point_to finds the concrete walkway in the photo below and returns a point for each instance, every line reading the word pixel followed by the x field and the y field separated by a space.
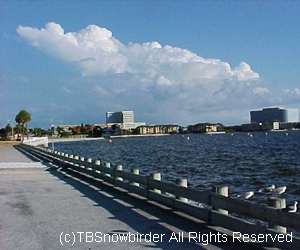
pixel 10 157
pixel 46 208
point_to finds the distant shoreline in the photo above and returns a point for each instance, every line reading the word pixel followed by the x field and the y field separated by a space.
pixel 73 139
pixel 100 138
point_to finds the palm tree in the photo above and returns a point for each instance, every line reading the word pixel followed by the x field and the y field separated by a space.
pixel 22 119
pixel 8 129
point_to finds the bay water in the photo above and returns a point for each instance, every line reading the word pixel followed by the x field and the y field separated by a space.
pixel 242 161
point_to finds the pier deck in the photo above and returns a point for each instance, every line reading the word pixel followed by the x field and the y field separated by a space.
pixel 42 207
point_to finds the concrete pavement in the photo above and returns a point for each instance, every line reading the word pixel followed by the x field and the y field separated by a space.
pixel 46 208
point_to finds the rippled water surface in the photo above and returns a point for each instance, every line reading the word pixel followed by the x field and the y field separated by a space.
pixel 241 161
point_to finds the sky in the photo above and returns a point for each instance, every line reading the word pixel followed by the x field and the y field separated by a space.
pixel 170 61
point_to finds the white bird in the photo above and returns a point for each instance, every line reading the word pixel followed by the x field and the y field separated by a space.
pixel 280 190
pixel 267 189
pixel 247 195
pixel 293 209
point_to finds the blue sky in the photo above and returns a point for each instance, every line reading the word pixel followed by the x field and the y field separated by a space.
pixel 180 62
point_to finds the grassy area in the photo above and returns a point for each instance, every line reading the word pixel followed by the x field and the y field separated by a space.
pixel 9 143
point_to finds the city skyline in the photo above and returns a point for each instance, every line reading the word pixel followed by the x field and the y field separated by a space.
pixel 256 117
pixel 171 62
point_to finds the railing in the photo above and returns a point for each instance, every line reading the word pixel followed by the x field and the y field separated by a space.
pixel 213 206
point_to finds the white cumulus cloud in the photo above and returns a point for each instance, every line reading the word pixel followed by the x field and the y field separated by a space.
pixel 163 79
pixel 98 52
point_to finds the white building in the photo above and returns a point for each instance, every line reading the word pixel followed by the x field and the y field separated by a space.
pixel 293 115
pixel 123 118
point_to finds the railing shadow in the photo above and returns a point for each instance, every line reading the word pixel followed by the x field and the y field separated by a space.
pixel 27 154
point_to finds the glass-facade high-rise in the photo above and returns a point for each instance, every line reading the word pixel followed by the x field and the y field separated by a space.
pixel 274 115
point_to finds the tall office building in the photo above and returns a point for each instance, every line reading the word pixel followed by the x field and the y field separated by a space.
pixel 127 116
pixel 274 115
pixel 123 118
pixel 120 117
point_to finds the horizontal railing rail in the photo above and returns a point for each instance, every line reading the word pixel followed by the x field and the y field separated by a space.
pixel 213 206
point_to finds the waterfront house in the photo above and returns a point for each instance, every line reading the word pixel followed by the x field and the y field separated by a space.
pixel 157 129
pixel 206 127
